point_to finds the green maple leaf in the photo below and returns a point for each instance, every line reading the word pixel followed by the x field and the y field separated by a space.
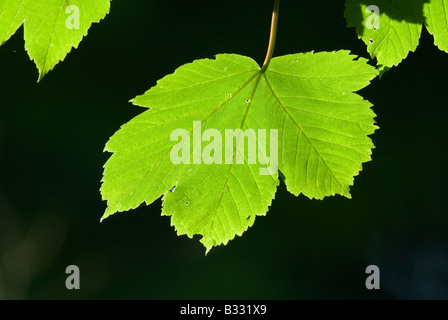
pixel 436 21
pixel 306 99
pixel 400 26
pixel 52 27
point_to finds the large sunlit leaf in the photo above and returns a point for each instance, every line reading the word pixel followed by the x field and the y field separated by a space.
pixel 305 100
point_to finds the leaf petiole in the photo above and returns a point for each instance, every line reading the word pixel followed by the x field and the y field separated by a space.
pixel 272 37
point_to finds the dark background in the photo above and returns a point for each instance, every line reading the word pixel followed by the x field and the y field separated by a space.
pixel 52 136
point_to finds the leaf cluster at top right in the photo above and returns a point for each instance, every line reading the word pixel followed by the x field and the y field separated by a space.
pixel 392 28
